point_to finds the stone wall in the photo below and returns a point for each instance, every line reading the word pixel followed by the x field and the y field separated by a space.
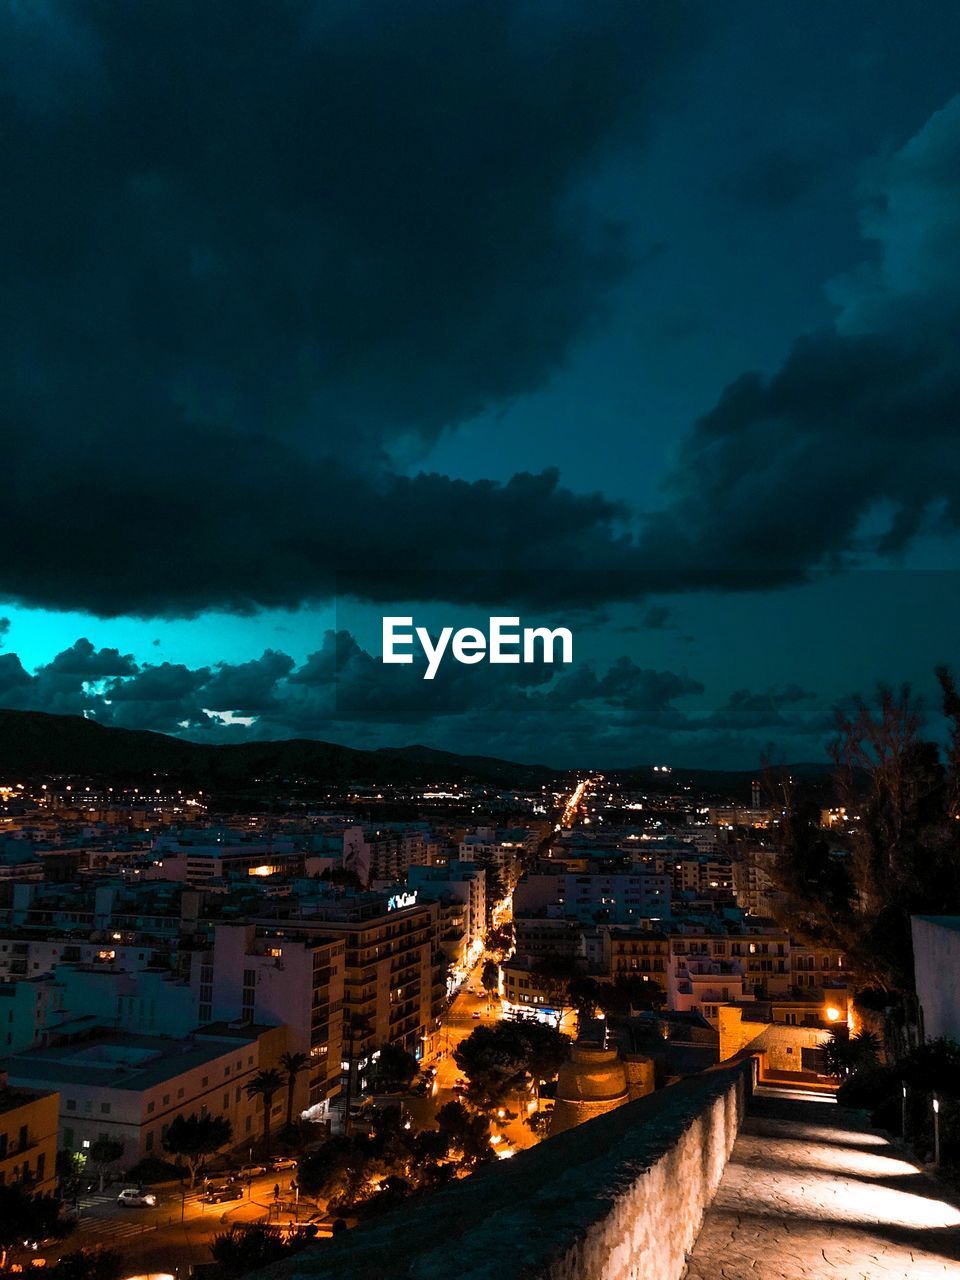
pixel 591 1082
pixel 619 1198
pixel 641 1074
pixel 778 1045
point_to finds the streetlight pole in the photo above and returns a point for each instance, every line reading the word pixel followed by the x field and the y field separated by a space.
pixel 936 1132
pixel 903 1113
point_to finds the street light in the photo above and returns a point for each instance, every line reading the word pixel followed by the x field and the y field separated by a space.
pixel 903 1112
pixel 936 1132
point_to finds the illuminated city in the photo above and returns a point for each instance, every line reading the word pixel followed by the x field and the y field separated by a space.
pixel 479 614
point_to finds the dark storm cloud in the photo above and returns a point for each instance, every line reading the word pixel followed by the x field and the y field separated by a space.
pixel 255 256
pixel 657 617
pixel 624 712
pixel 82 659
pixel 851 446
pixel 787 708
pixel 777 178
pixel 4 629
pixel 167 682
pixel 248 686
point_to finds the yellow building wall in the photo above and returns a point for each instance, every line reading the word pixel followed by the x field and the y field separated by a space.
pixel 34 1161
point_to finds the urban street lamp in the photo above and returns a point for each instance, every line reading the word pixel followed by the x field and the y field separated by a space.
pixel 936 1132
pixel 903 1112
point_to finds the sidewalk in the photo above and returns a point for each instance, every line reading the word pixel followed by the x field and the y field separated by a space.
pixel 811 1195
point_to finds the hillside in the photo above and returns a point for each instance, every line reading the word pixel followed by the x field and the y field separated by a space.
pixel 33 743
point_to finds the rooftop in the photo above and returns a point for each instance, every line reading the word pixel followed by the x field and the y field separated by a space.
pixel 121 1061
pixel 944 922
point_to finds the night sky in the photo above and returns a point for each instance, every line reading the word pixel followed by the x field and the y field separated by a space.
pixel 635 317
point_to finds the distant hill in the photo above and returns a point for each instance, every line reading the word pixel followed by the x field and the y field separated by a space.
pixel 32 743
pixel 723 783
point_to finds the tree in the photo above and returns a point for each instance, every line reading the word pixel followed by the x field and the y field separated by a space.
pixel 846 1054
pixel 194 1137
pixel 337 1170
pixel 265 1085
pixel 490 977
pixel 500 941
pixel 499 1060
pixel 933 1067
pixel 545 1048
pixel 395 1068
pixel 89 1264
pixel 585 995
pixel 48 1212
pixel 23 1216
pixel 244 1248
pixel 627 992
pixel 856 890
pixel 293 1064
pixel 465 1130
pixel 103 1152
pixel 555 973
pixel 356 1026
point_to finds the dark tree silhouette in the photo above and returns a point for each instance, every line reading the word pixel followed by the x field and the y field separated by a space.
pixel 265 1085
pixel 194 1137
pixel 293 1064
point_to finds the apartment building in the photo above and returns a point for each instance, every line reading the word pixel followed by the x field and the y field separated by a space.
pixel 275 976
pixel 394 985
pixel 816 968
pixel 595 897
pixel 643 953
pixel 129 1088
pixel 28 1137
pixel 385 853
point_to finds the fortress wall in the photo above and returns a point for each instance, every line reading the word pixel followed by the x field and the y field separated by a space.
pixel 621 1197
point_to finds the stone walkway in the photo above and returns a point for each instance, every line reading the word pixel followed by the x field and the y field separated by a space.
pixel 808 1195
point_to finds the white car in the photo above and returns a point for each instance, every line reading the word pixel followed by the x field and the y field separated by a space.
pixel 131 1198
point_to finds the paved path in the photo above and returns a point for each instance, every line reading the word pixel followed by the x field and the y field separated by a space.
pixel 808 1195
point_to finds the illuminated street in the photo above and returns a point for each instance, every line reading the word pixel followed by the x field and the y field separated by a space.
pixel 458 1023
pixel 179 1231
pixel 572 805
pixel 808 1195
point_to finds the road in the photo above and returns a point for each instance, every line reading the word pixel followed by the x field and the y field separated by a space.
pixel 572 805
pixel 467 1011
pixel 178 1232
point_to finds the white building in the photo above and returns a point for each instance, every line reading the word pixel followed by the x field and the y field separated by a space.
pixel 129 1088
pixel 936 964
pixel 594 897
pixel 250 976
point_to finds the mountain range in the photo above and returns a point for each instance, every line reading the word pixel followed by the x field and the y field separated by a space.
pixel 34 743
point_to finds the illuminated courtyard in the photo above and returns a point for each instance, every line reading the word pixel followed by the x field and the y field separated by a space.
pixel 807 1196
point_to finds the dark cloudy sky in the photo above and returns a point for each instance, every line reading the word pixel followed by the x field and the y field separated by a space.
pixel 636 316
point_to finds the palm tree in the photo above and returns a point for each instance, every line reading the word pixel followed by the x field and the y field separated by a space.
pixel 265 1085
pixel 357 1026
pixel 293 1064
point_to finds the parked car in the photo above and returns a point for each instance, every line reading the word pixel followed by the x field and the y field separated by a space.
pixel 252 1171
pixel 279 1163
pixel 36 1243
pixel 227 1191
pixel 134 1198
